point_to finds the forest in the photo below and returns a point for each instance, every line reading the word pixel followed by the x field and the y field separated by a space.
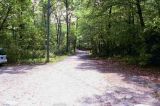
pixel 79 52
pixel 39 29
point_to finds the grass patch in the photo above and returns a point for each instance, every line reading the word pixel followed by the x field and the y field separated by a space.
pixel 53 59
pixel 58 58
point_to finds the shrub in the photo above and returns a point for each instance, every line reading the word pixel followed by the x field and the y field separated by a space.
pixel 151 38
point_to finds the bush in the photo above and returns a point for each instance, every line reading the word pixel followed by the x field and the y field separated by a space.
pixel 152 43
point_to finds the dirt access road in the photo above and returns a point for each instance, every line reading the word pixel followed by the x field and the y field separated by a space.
pixel 76 81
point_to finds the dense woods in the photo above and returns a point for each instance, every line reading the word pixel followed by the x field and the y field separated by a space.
pixel 122 28
pixel 35 29
pixel 31 29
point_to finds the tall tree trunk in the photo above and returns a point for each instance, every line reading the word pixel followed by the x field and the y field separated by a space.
pixel 60 32
pixel 131 14
pixel 139 10
pixel 57 29
pixel 33 51
pixel 67 22
pixel 48 29
pixel 109 29
pixel 110 12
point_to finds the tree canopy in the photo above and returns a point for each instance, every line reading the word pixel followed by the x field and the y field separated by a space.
pixel 121 28
pixel 129 28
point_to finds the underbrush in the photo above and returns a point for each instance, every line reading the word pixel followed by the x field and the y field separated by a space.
pixel 53 59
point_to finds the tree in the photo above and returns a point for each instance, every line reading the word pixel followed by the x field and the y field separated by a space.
pixel 116 28
pixel 67 23
pixel 48 29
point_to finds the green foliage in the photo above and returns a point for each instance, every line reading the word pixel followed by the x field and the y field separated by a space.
pixel 152 41
pixel 127 28
pixel 23 26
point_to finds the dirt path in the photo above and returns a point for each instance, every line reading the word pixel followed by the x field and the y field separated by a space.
pixel 76 81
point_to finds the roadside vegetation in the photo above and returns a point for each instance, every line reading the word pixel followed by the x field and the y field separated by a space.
pixel 128 29
pixel 33 30
pixel 53 59
pixel 23 30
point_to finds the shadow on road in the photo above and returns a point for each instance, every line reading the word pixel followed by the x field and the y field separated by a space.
pixel 92 82
pixel 82 54
pixel 120 97
pixel 129 74
pixel 16 69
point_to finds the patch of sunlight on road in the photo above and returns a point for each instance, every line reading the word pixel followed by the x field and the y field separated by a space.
pixel 67 83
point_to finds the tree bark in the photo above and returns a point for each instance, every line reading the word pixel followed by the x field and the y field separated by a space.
pixel 130 14
pixel 48 30
pixel 139 10
pixel 67 22
pixel 110 12
pixel 57 29
pixel 60 32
